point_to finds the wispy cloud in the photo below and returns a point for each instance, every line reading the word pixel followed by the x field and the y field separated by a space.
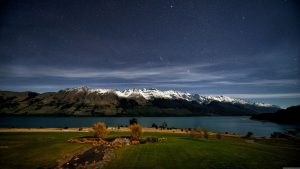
pixel 177 76
pixel 265 95
pixel 167 73
pixel 274 82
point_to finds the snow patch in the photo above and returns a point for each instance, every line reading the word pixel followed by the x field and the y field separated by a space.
pixel 153 93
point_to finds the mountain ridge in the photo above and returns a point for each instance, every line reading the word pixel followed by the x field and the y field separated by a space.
pixel 84 101
pixel 289 115
pixel 167 94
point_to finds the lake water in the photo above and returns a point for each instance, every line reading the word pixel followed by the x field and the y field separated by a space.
pixel 230 124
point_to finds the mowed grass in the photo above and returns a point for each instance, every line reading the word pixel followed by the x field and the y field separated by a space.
pixel 182 151
pixel 33 150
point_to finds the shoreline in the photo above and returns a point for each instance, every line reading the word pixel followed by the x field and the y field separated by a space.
pixel 112 129
pixel 86 129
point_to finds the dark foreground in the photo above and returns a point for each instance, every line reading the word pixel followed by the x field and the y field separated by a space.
pixel 47 150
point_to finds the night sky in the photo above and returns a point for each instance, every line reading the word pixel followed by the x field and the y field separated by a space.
pixel 246 49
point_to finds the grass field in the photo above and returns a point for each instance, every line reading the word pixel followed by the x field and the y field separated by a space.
pixel 33 150
pixel 181 151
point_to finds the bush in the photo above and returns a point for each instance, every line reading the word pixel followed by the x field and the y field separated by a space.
pixel 136 131
pixel 164 125
pixel 218 136
pixel 205 133
pixel 196 133
pixel 154 126
pixel 100 130
pixel 279 135
pixel 249 134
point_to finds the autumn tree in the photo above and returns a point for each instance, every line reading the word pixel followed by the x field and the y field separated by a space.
pixel 136 131
pixel 100 130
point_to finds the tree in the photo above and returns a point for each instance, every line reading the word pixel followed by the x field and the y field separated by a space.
pixel 133 121
pixel 163 125
pixel 136 131
pixel 100 130
pixel 154 125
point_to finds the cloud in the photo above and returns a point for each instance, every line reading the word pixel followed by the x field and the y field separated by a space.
pixel 265 95
pixel 169 73
pixel 274 82
pixel 175 76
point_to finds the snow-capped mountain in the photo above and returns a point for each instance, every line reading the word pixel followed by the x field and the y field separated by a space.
pixel 153 93
pixel 84 101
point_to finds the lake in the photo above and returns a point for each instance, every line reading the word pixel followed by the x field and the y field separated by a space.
pixel 230 124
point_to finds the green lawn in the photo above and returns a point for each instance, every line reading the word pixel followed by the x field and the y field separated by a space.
pixel 33 150
pixel 185 152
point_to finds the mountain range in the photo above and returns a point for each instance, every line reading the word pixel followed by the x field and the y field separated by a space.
pixel 290 115
pixel 84 101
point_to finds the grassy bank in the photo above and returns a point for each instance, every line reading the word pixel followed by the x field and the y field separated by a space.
pixel 33 150
pixel 181 151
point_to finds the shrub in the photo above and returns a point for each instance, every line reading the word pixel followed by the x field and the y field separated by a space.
pixel 205 133
pixel 164 125
pixel 80 129
pixel 196 133
pixel 218 136
pixel 100 130
pixel 154 126
pixel 249 134
pixel 136 131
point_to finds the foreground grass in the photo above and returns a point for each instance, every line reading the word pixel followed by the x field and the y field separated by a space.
pixel 181 151
pixel 33 150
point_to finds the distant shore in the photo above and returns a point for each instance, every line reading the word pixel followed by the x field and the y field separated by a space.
pixel 86 129
pixel 115 129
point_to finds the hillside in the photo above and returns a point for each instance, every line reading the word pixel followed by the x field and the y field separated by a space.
pixel 291 115
pixel 84 101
